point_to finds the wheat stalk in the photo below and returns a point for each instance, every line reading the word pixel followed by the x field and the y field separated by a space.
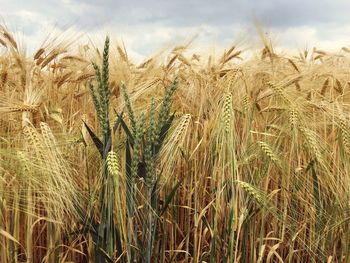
pixel 344 134
pixel 113 164
pixel 269 152
pixel 293 117
pixel 252 191
pixel 38 54
pixel 227 112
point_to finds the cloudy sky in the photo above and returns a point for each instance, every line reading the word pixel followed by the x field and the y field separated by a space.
pixel 146 26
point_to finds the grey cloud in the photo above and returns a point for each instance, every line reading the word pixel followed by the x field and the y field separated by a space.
pixel 60 13
pixel 224 17
pixel 179 13
pixel 297 13
pixel 277 13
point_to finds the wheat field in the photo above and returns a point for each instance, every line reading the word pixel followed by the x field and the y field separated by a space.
pixel 182 159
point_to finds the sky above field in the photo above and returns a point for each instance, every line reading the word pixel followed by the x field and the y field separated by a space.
pixel 149 26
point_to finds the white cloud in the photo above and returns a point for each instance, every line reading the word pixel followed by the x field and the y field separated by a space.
pixel 307 37
pixel 149 26
pixel 77 8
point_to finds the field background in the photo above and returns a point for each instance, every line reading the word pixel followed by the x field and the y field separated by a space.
pixel 254 168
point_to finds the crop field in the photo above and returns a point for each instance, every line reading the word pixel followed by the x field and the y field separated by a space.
pixel 180 158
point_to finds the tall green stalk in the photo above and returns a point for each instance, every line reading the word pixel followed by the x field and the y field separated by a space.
pixel 105 240
pixel 141 162
pixel 141 150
